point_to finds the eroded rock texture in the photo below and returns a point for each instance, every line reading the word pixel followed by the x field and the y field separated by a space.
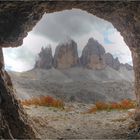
pixel 17 18
pixel 66 55
pixel 92 55
pixel 45 59
pixel 128 66
pixel 111 61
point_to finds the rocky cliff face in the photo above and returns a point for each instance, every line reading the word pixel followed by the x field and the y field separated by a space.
pixel 14 123
pixel 93 55
pixel 45 59
pixel 127 66
pixel 66 55
pixel 115 63
pixel 111 61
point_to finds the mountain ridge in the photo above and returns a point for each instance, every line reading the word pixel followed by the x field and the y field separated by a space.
pixel 94 76
pixel 66 56
pixel 75 84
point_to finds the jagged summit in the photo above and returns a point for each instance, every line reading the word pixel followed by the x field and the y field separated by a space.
pixel 92 55
pixel 95 47
pixel 66 41
pixel 45 58
pixel 66 56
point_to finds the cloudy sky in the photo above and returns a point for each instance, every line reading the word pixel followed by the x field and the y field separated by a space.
pixel 58 27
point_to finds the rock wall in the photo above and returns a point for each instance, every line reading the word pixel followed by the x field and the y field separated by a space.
pixel 112 62
pixel 14 122
pixel 127 66
pixel 92 55
pixel 66 55
pixel 124 15
pixel 45 58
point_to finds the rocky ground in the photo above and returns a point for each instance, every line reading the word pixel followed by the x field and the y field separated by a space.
pixel 73 123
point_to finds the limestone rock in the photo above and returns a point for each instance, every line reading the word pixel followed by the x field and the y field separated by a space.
pixel 66 55
pixel 111 61
pixel 116 64
pixel 127 66
pixel 45 59
pixel 93 55
pixel 14 123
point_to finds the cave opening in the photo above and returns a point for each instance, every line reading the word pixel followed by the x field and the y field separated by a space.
pixel 72 69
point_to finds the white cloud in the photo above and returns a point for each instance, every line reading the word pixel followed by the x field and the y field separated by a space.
pixel 23 58
pixel 34 43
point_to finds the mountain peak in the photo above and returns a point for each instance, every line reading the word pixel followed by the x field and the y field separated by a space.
pixel 45 58
pixel 92 40
pixel 66 41
pixel 92 55
pixel 66 55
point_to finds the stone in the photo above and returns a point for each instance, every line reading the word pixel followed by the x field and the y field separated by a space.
pixel 66 55
pixel 128 66
pixel 14 122
pixel 116 64
pixel 92 55
pixel 45 59
pixel 109 59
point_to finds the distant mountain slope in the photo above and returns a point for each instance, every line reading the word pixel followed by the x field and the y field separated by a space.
pixel 75 84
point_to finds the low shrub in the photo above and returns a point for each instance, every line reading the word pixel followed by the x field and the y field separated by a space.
pixel 102 105
pixel 124 104
pixel 127 104
pixel 43 101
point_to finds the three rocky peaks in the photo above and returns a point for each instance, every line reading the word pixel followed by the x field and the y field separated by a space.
pixel 66 56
